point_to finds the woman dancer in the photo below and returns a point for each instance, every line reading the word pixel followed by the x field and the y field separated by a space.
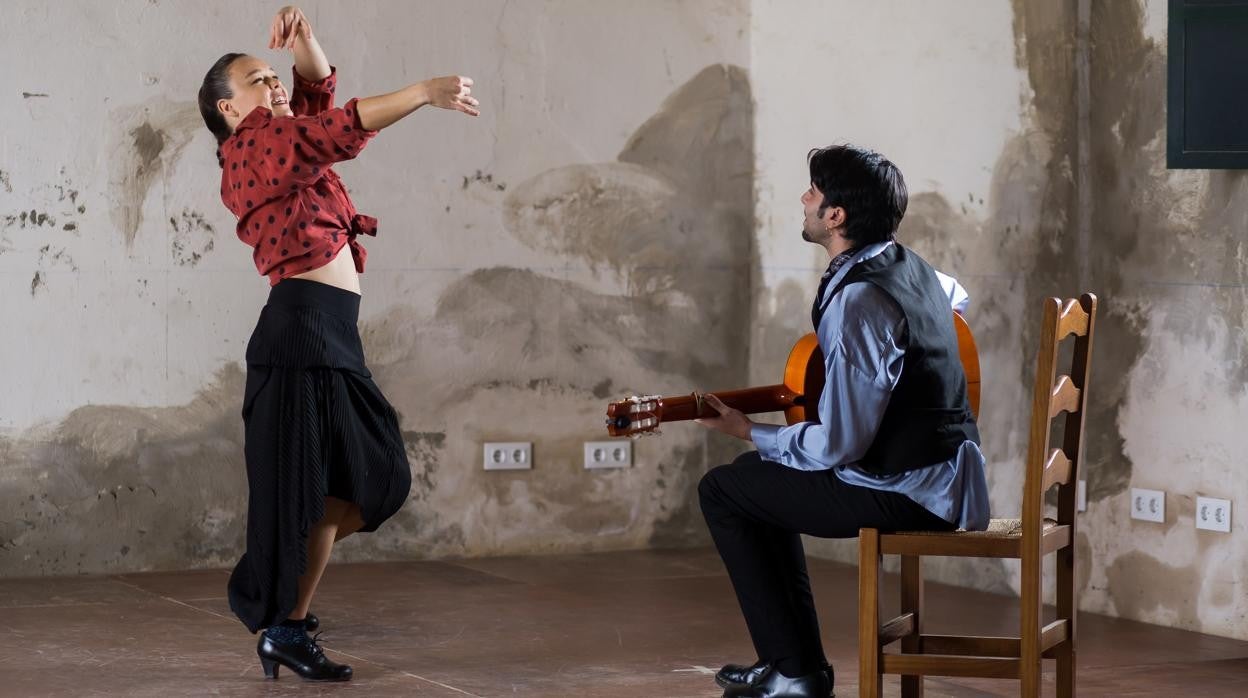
pixel 325 457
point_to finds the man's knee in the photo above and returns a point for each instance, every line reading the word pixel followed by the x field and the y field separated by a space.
pixel 709 485
pixel 748 458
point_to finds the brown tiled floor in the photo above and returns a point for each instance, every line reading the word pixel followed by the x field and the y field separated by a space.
pixel 646 623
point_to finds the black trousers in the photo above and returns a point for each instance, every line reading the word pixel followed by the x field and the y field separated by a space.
pixel 755 510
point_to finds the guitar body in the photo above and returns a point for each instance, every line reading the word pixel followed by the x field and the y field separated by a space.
pixel 804 375
pixel 968 354
pixel 804 372
pixel 797 396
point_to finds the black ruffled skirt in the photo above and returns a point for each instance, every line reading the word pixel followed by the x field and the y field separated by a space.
pixel 316 426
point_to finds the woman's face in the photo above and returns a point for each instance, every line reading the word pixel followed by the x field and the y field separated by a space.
pixel 254 84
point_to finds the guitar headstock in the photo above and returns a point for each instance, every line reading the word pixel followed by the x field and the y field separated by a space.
pixel 634 416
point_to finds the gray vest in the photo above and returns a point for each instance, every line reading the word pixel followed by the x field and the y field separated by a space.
pixel 928 415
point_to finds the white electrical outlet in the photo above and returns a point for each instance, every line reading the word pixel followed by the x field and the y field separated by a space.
pixel 1148 505
pixel 509 455
pixel 1081 495
pixel 608 454
pixel 1213 514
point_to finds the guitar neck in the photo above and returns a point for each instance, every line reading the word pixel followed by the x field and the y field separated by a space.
pixel 772 398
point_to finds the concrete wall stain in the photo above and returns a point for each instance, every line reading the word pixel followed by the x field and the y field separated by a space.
pixel 50 257
pixel 124 488
pixel 1171 289
pixel 1172 590
pixel 32 218
pixel 505 337
pixel 484 179
pixel 193 237
pixel 149 138
pixel 61 196
pixel 1169 253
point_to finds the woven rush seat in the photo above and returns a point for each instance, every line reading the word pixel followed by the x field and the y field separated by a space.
pixel 997 528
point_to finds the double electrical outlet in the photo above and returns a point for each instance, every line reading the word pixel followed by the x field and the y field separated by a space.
pixel 509 455
pixel 1212 514
pixel 518 455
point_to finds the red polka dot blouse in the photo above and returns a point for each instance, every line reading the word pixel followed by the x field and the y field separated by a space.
pixel 276 177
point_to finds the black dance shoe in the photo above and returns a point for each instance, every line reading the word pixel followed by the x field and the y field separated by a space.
pixel 304 657
pixel 733 675
pixel 773 684
pixel 311 622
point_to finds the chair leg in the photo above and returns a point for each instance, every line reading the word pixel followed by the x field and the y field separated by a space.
pixel 870 681
pixel 912 602
pixel 1066 608
pixel 1029 627
pixel 1065 670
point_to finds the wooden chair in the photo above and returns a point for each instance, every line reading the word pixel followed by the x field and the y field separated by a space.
pixel 1029 539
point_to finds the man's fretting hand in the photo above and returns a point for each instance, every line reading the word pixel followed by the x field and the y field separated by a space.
pixel 731 422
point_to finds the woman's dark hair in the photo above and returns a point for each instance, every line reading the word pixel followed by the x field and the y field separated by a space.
pixel 217 87
pixel 866 185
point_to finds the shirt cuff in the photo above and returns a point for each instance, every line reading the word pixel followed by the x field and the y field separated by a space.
pixel 764 438
pixel 352 110
pixel 325 85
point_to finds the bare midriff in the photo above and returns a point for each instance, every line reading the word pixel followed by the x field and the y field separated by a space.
pixel 340 272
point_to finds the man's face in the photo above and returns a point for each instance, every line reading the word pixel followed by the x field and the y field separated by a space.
pixel 817 228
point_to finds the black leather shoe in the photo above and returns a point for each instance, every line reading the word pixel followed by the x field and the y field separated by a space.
pixel 736 675
pixel 773 684
pixel 305 658
pixel 311 622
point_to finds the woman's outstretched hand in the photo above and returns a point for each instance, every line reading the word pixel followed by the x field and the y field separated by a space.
pixel 453 92
pixel 289 24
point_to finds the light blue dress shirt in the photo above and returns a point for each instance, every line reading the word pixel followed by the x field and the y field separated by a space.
pixel 862 334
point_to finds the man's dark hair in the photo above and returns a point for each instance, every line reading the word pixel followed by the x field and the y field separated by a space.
pixel 867 185
pixel 217 87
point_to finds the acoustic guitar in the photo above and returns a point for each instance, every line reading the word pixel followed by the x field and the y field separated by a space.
pixel 798 394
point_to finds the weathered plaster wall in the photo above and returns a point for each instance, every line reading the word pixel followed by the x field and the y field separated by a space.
pixel 1032 135
pixel 595 234
pixel 1169 248
pixel 588 237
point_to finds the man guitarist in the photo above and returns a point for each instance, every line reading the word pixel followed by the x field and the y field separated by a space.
pixel 895 448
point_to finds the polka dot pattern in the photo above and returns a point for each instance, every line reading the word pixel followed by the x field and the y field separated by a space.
pixel 299 214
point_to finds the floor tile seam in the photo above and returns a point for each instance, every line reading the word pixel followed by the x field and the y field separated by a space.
pixel 600 581
pixel 1171 663
pixel 409 674
pixel 177 602
pixel 327 648
pixel 71 604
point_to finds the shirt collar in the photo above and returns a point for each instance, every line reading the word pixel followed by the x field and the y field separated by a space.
pixel 258 117
pixel 842 263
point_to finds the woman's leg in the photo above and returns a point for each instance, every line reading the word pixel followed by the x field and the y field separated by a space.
pixel 320 543
pixel 351 521
pixel 287 644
